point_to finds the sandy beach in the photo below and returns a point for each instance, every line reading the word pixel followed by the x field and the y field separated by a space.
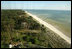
pixel 51 27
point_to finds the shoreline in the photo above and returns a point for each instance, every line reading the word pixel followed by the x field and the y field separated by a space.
pixel 60 26
pixel 51 27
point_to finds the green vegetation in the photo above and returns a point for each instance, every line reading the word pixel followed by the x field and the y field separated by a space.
pixel 12 24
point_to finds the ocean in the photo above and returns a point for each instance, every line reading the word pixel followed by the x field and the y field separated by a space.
pixel 60 19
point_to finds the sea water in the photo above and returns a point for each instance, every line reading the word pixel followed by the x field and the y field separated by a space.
pixel 60 19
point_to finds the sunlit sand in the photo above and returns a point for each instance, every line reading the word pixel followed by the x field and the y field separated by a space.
pixel 51 27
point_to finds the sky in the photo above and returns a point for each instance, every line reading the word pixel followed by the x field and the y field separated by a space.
pixel 46 5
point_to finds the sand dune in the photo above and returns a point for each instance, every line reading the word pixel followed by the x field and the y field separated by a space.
pixel 51 27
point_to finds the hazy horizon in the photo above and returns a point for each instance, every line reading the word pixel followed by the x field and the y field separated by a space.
pixel 35 9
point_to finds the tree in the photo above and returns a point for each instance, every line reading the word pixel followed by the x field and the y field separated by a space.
pixel 36 41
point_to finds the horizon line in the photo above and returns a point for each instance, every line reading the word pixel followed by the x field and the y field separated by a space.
pixel 35 9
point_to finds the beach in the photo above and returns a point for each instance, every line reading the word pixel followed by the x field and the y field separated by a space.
pixel 51 27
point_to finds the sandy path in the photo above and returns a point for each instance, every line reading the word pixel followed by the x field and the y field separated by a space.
pixel 51 28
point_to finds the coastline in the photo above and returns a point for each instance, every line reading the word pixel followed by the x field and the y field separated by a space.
pixel 51 27
pixel 60 26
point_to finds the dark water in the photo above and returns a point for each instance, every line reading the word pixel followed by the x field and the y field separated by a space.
pixel 60 17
